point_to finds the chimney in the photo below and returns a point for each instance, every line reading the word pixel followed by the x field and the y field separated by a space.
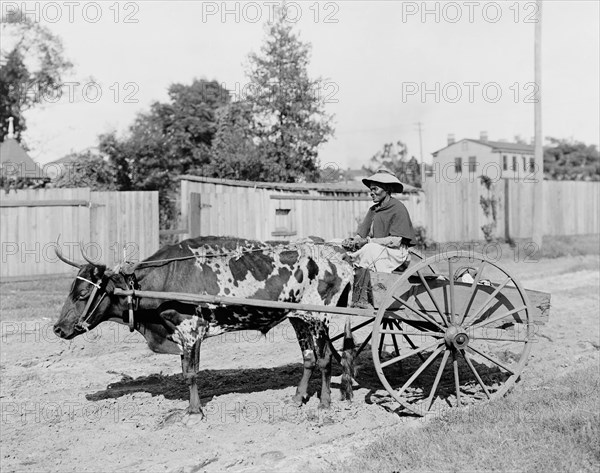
pixel 450 139
pixel 483 136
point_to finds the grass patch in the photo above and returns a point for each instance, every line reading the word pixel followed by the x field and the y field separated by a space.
pixel 554 428
pixel 35 299
pixel 524 250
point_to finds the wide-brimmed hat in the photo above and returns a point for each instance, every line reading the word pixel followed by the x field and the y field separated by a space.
pixel 385 177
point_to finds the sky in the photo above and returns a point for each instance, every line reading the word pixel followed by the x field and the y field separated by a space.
pixel 453 67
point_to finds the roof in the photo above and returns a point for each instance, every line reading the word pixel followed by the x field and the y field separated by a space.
pixel 16 161
pixel 332 187
pixel 497 146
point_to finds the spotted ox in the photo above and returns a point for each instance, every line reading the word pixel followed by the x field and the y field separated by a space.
pixel 301 273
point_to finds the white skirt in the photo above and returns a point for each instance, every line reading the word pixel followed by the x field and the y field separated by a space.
pixel 380 258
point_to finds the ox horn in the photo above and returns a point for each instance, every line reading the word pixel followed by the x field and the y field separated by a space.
pixel 60 256
pixel 85 256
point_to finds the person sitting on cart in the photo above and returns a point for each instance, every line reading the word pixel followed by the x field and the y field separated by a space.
pixel 383 238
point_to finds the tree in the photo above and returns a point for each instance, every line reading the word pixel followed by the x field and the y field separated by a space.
pixel 571 160
pixel 289 119
pixel 171 139
pixel 25 83
pixel 234 153
pixel 86 170
pixel 393 156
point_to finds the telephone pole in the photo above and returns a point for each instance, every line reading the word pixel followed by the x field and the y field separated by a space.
pixel 538 195
pixel 419 124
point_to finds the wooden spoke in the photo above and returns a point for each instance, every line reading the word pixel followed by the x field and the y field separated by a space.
pixel 416 374
pixel 451 278
pixel 473 291
pixel 363 344
pixel 356 327
pixel 428 289
pixel 497 317
pixel 415 334
pixel 381 340
pixel 420 314
pixel 397 351
pixel 489 358
pixel 516 340
pixel 490 299
pixel 437 380
pixel 468 360
pixel 456 378
pixel 410 342
pixel 411 353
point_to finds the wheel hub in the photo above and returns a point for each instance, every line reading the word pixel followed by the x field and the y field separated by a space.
pixel 456 336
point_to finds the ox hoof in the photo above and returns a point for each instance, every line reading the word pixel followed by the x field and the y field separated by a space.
pixel 325 405
pixel 299 400
pixel 187 417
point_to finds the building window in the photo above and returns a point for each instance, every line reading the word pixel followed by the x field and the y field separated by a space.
pixel 464 145
pixel 472 164
pixel 531 164
pixel 505 163
pixel 514 163
pixel 458 165
pixel 524 163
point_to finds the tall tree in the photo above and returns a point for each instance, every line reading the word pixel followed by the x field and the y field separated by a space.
pixel 26 83
pixel 86 170
pixel 290 121
pixel 571 160
pixel 171 139
pixel 234 153
pixel 394 157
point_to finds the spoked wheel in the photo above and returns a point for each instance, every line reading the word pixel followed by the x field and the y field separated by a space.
pixel 453 338
pixel 361 327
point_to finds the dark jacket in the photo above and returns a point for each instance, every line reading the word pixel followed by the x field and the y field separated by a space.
pixel 391 219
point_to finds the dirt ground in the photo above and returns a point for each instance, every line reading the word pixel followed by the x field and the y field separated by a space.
pixel 101 403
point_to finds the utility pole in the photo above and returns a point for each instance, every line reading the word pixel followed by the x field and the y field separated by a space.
pixel 419 124
pixel 538 195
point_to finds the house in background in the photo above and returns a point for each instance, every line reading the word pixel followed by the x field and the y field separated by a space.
pixel 15 163
pixel 469 159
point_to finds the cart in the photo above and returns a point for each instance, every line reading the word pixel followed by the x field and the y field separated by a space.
pixel 454 329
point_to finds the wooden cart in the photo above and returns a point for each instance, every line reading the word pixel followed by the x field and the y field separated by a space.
pixel 454 329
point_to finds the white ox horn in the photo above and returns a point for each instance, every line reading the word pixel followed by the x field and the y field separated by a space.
pixel 60 256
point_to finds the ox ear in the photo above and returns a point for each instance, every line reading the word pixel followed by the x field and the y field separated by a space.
pixel 98 271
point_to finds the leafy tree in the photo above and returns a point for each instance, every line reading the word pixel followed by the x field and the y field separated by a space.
pixel 234 153
pixel 393 156
pixel 571 160
pixel 25 84
pixel 171 139
pixel 86 170
pixel 289 120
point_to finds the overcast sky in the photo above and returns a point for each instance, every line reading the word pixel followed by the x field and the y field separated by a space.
pixel 475 60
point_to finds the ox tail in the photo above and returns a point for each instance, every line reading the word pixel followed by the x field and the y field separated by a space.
pixel 348 356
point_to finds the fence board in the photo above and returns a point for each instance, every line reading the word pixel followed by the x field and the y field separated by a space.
pixel 29 233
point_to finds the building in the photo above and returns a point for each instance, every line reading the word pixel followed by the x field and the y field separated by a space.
pixel 15 163
pixel 469 159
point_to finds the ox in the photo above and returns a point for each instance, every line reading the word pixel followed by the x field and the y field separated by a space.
pixel 301 273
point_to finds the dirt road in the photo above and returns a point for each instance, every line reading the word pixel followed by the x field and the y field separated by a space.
pixel 101 402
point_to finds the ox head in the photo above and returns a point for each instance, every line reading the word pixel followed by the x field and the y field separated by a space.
pixel 89 300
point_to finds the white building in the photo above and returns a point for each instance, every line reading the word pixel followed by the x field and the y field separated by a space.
pixel 469 159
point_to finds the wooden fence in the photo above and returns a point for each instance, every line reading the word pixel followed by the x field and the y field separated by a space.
pixel 268 211
pixel 455 211
pixel 112 226
pixel 450 211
